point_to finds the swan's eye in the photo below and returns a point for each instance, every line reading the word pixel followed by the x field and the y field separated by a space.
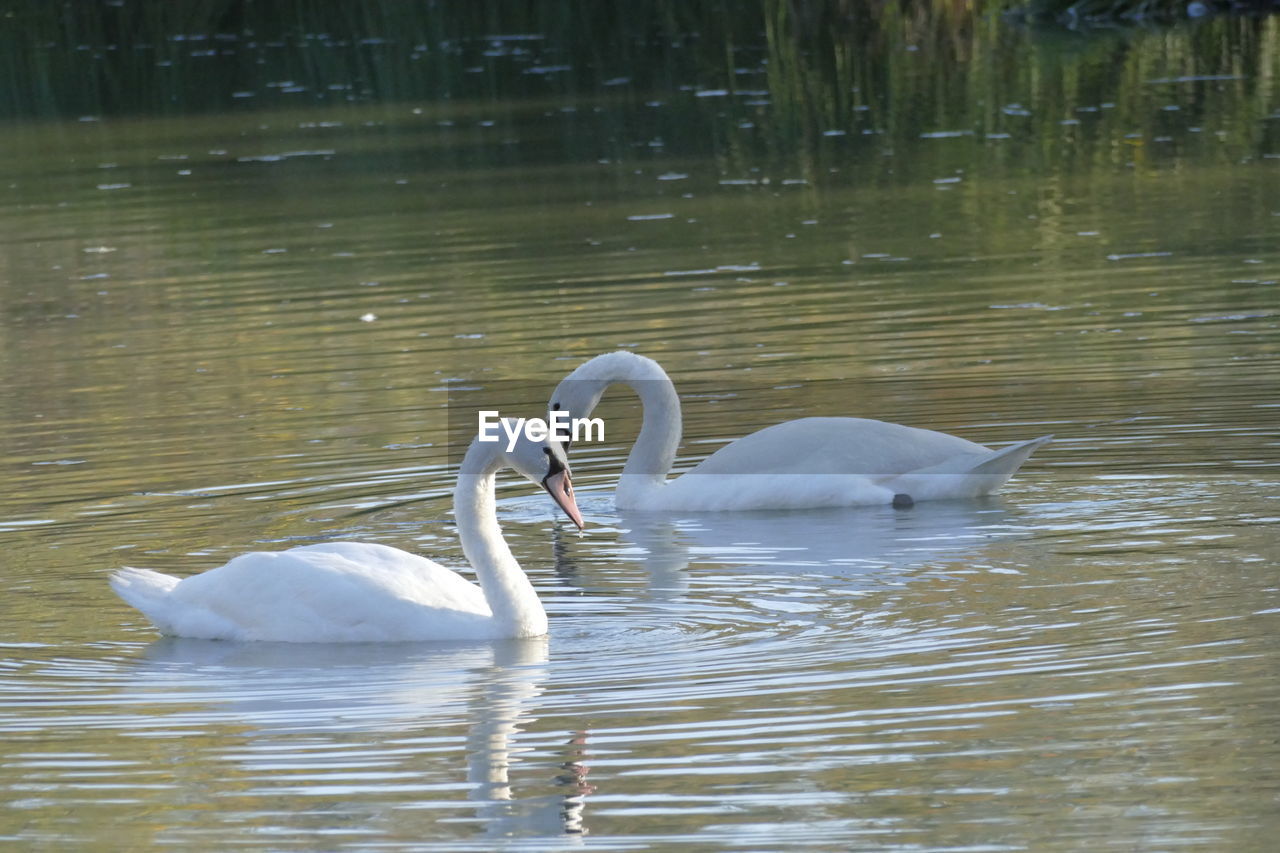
pixel 562 433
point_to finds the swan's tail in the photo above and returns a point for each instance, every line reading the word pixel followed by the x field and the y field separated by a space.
pixel 968 475
pixel 1004 462
pixel 146 590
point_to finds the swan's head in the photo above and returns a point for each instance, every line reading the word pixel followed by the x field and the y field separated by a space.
pixel 544 463
pixel 579 393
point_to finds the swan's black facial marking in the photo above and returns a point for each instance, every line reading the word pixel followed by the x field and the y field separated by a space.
pixel 554 464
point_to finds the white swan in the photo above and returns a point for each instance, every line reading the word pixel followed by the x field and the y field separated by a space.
pixel 347 592
pixel 798 464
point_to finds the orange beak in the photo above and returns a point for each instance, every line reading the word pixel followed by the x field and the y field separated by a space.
pixel 560 487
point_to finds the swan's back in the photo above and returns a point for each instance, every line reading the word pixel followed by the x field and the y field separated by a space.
pixel 332 592
pixel 859 446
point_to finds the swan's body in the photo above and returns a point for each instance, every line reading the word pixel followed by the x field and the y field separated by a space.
pixel 347 592
pixel 798 464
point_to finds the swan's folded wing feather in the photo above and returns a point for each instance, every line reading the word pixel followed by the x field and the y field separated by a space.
pixel 856 446
pixel 336 592
pixel 814 462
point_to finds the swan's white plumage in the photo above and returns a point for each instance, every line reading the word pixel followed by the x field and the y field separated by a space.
pixel 349 592
pixel 340 592
pixel 799 464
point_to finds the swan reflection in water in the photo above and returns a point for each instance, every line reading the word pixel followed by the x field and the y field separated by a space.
pixel 404 695
pixel 865 542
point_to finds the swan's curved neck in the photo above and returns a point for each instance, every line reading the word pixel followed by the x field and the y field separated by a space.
pixel 507 589
pixel 655 449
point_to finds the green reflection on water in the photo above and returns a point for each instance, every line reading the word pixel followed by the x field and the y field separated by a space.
pixel 782 83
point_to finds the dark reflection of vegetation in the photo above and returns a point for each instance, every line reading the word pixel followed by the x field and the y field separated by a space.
pixel 759 84
pixel 1108 12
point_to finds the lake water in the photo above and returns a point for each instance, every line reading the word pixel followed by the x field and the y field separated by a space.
pixel 241 325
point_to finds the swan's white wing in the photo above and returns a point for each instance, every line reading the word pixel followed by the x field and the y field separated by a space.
pixel 858 446
pixel 816 462
pixel 334 592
